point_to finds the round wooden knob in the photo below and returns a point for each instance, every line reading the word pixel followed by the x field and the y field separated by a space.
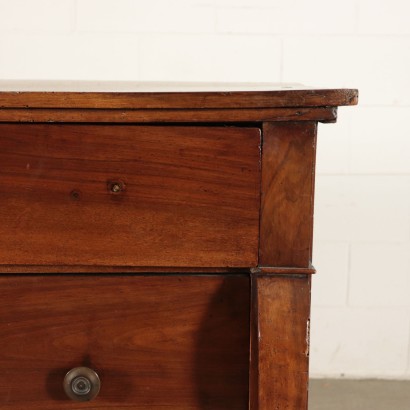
pixel 116 187
pixel 82 384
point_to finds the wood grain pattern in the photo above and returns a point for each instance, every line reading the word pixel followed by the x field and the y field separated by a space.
pixel 288 169
pixel 175 342
pixel 191 196
pixel 323 114
pixel 181 195
pixel 270 96
pixel 254 345
pixel 282 362
pixel 16 269
pixel 272 270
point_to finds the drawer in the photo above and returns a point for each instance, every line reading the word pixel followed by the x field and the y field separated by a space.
pixel 175 342
pixel 128 195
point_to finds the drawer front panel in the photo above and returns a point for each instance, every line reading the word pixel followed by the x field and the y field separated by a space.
pixel 179 342
pixel 129 195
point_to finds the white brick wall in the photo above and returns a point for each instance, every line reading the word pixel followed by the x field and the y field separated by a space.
pixel 211 56
pixel 361 303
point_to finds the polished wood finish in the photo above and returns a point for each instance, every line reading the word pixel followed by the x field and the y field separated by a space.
pixel 179 219
pixel 190 198
pixel 16 269
pixel 322 114
pixel 270 270
pixel 175 342
pixel 281 361
pixel 163 96
pixel 254 345
pixel 288 169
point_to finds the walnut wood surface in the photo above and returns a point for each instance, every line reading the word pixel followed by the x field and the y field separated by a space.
pixel 270 270
pixel 191 196
pixel 175 342
pixel 192 199
pixel 114 269
pixel 280 362
pixel 254 345
pixel 323 114
pixel 180 96
pixel 288 169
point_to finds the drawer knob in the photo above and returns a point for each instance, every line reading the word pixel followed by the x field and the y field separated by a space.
pixel 115 187
pixel 82 384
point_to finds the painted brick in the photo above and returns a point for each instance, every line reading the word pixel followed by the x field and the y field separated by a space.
pixel 332 209
pixel 329 285
pixel 378 66
pixel 77 57
pixel 210 58
pixel 39 15
pixel 384 17
pixel 362 208
pixel 380 142
pixel 380 274
pixel 379 208
pixel 244 3
pixel 293 17
pixel 156 16
pixel 359 342
pixel 333 146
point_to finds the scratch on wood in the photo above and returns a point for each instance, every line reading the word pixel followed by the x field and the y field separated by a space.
pixel 307 351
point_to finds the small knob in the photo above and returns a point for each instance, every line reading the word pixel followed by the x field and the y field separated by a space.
pixel 116 187
pixel 82 384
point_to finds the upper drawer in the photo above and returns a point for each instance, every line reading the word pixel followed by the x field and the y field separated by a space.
pixel 115 195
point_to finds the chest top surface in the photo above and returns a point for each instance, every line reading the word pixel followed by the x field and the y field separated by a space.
pixel 167 95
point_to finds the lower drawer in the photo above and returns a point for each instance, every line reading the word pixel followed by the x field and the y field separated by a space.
pixel 156 342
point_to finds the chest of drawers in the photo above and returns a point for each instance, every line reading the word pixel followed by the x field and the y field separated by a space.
pixel 155 244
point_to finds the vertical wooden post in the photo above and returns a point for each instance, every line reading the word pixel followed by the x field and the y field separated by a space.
pixel 288 172
pixel 279 366
pixel 281 286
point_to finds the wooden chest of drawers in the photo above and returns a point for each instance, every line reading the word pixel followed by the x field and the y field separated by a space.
pixel 155 244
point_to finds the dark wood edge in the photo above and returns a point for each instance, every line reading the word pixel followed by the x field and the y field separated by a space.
pixel 322 114
pixel 113 269
pixel 163 100
pixel 271 270
pixel 261 270
pixel 254 346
